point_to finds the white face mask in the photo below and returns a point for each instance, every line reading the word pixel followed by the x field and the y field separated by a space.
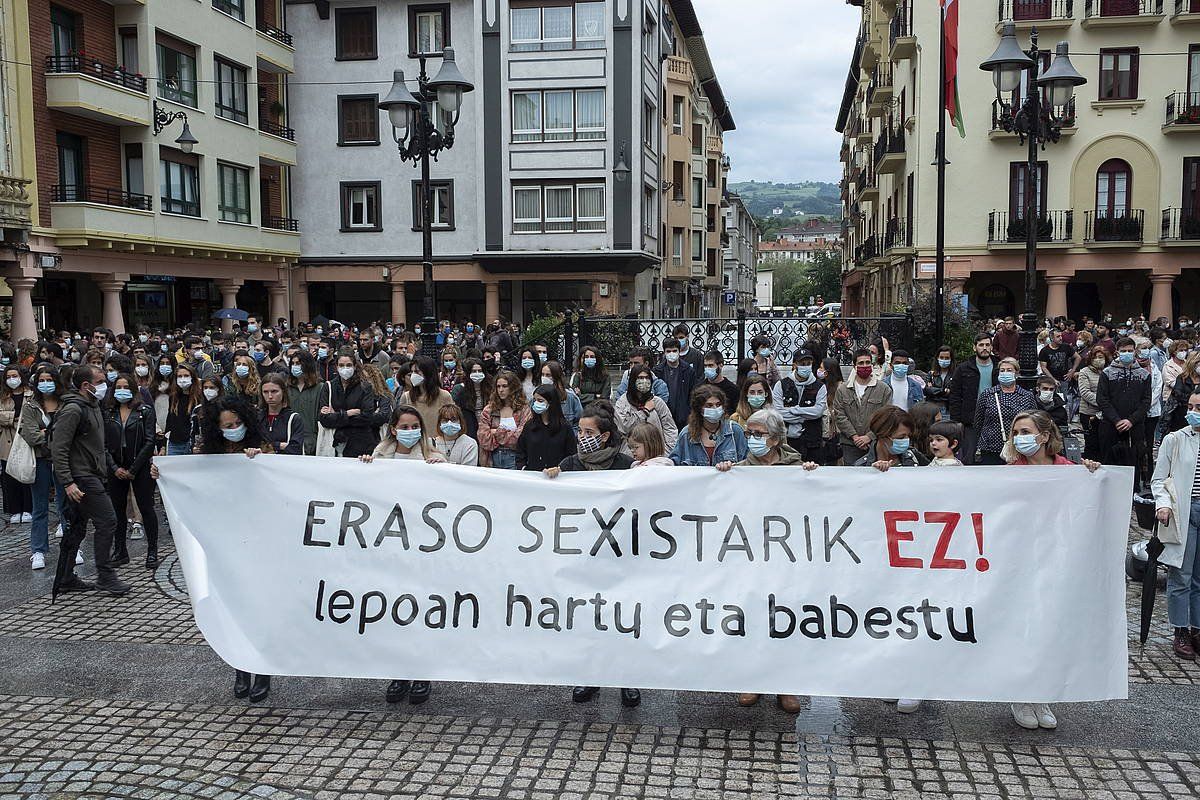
pixel 142 371
pixel 211 394
pixel 416 379
pixel 346 373
pixel 183 382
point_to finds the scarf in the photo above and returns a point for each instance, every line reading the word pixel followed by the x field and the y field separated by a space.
pixel 601 459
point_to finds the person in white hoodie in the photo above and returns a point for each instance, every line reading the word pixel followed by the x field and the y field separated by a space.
pixel 1176 487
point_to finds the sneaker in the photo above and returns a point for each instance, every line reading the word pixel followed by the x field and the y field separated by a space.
pixel 58 532
pixel 907 706
pixel 1045 717
pixel 37 561
pixel 78 558
pixel 1024 716
pixel 114 586
pixel 75 584
pixel 15 519
pixel 27 517
pixel 136 531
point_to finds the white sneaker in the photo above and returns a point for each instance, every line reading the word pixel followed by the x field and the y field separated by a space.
pixel 1024 715
pixel 78 558
pixel 58 532
pixel 1045 717
pixel 37 561
pixel 15 519
pixel 907 706
pixel 136 531
pixel 27 517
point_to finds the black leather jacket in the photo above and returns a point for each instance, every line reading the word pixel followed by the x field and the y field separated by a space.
pixel 131 445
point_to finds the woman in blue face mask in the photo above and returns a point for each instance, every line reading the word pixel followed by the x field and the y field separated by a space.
pixel 528 370
pixel 451 439
pixel 890 430
pixel 129 436
pixel 710 438
pixel 230 425
pixel 995 410
pixel 547 438
pixel 755 394
pixel 304 395
pixel 937 388
pixel 36 415
pixel 590 381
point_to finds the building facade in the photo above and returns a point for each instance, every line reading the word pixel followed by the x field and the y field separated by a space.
pixel 1119 213
pixel 741 241
pixel 17 157
pixel 132 224
pixel 802 251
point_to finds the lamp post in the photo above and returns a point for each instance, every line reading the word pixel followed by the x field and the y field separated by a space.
pixel 1036 124
pixel 162 118
pixel 419 138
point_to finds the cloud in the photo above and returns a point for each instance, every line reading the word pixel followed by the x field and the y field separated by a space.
pixel 782 65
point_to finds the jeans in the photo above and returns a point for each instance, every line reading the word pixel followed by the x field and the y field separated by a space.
pixel 1183 584
pixel 39 534
pixel 180 449
pixel 503 458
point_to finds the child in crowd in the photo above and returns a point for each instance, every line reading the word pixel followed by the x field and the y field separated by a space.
pixel 943 439
pixel 647 447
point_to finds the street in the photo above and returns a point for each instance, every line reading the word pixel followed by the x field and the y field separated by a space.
pixel 120 697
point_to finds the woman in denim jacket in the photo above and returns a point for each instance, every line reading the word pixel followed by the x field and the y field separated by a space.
pixel 709 438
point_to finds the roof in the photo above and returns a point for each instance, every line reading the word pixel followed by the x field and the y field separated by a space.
pixel 693 38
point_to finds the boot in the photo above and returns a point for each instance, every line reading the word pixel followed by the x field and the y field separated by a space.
pixel 241 684
pixel 260 689
pixel 120 555
pixel 151 557
pixel 581 694
pixel 109 582
pixel 420 692
pixel 1183 645
pixel 397 691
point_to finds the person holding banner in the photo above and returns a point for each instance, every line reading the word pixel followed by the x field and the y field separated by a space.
pixel 502 421
pixel 547 438
pixel 891 441
pixel 710 438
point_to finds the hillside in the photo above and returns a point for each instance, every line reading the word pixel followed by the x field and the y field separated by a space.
pixel 812 198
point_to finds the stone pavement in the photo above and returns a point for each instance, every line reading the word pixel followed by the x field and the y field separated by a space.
pixel 121 698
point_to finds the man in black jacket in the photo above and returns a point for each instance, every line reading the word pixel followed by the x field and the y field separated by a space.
pixel 680 379
pixel 1123 397
pixel 970 378
pixel 82 464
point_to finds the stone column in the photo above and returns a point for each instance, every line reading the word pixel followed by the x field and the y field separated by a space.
pixel 300 302
pixel 277 294
pixel 491 302
pixel 111 314
pixel 1056 295
pixel 1160 296
pixel 24 326
pixel 229 293
pixel 399 300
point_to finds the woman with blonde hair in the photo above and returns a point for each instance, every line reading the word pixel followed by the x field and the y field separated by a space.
pixel 243 382
pixel 646 445
pixel 995 410
pixel 501 422
pixel 754 395
pixel 451 371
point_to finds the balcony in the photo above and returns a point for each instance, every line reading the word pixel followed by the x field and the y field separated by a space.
pixel 879 90
pixel 1186 12
pixel 896 236
pixel 1116 13
pixel 100 213
pixel 903 40
pixel 1182 113
pixel 90 88
pixel 276 143
pixel 1053 227
pixel 281 224
pixel 1004 119
pixel 1123 228
pixel 867 184
pixel 713 144
pixel 891 150
pixel 101 196
pixel 1180 225
pixel 1042 14
pixel 14 203
pixel 275 50
pixel 679 69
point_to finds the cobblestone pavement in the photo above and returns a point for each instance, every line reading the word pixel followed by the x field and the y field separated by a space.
pixel 121 698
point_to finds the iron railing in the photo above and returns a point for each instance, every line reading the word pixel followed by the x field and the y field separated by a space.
pixel 281 223
pixel 1187 7
pixel 1180 224
pixel 1121 8
pixel 1023 10
pixel 1052 226
pixel 278 34
pixel 85 65
pixel 1004 113
pixel 275 129
pixel 896 234
pixel 891 140
pixel 902 23
pixel 881 78
pixel 82 193
pixel 1119 226
pixel 1182 108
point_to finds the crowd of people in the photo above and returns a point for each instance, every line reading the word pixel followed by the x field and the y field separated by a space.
pixel 82 416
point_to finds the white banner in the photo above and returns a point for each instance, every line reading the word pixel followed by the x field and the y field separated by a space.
pixel 981 583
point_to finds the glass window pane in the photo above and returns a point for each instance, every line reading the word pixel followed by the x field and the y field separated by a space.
pixel 527 116
pixel 556 22
pixel 560 118
pixel 527 210
pixel 526 27
pixel 589 25
pixel 589 117
pixel 591 208
pixel 559 208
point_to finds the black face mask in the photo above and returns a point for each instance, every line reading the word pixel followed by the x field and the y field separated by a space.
pixel 490 367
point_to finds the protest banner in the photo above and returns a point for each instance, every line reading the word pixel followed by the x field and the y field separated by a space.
pixel 988 583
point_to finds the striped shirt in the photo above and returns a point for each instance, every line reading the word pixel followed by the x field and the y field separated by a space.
pixel 1196 482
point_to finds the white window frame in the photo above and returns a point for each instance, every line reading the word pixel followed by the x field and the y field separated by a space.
pixel 543 134
pixel 677 247
pixel 697 244
pixel 357 196
pixel 593 133
pixel 590 224
pixel 527 134
pixel 439 28
pixel 569 220
pixel 697 193
pixel 530 224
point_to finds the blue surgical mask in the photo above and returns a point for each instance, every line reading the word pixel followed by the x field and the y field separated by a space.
pixel 234 434
pixel 900 370
pixel 1143 353
pixel 258 355
pixel 1007 378
pixel 111 375
pixel 450 428
pixel 765 352
pixel 714 414
pixel 757 445
pixel 898 447
pixel 297 370
pixel 943 362
pixel 123 395
pixel 756 400
pixel 804 372
pixel 543 357
pixel 241 370
pixel 450 365
pixel 1126 357
pixel 710 373
pixel 47 387
pixel 470 329
pixel 539 406
pixel 1192 417
pixel 391 384
pixel 527 363
pixel 589 362
pixel 322 352
pixel 1026 443
pixel 252 328
pixel 408 438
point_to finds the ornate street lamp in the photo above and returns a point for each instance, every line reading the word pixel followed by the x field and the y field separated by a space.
pixel 162 118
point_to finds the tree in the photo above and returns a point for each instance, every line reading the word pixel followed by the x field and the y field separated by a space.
pixel 825 275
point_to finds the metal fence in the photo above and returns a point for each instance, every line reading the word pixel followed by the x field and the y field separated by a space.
pixel 617 337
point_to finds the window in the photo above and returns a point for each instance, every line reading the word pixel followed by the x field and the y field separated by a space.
pixel 649 210
pixel 649 35
pixel 677 247
pixel 558 208
pixel 697 192
pixel 558 115
pixel 552 25
pixel 1017 175
pixel 1114 180
pixel 128 49
pixel 712 173
pixel 697 139
pixel 1119 74
pixel 649 123
pixel 428 29
pixel 358 120
pixel 697 246
pixel 231 90
pixel 354 32
pixel 234 8
pixel 71 176
pixel 677 181
pixel 443 205
pixel 135 180
pixel 233 202
pixel 63 25
pixel 177 72
pixel 179 177
pixel 677 115
pixel 360 206
pixel 1191 186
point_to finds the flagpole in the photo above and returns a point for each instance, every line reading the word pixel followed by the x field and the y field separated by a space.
pixel 939 281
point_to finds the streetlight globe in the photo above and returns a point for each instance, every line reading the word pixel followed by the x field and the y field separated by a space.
pixel 398 116
pixel 449 98
pixel 1007 79
pixel 187 140
pixel 1061 94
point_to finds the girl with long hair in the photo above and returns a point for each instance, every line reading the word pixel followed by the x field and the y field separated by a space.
pixel 18 497
pixel 129 436
pixel 472 394
pixel 551 374
pixel 243 382
pixel 547 438
pixel 426 394
pixel 502 421
pixel 304 395
pixel 184 397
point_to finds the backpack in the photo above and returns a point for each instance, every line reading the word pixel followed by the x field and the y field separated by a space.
pixel 83 420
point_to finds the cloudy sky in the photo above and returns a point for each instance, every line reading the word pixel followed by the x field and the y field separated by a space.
pixel 782 65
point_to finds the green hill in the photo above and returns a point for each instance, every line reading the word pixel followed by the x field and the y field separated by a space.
pixel 811 198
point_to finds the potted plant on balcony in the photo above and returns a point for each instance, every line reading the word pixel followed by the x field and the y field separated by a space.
pixel 277 110
pixel 1018 231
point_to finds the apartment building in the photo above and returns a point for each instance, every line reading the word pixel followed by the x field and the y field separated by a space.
pixel 549 197
pixel 1118 194
pixel 741 242
pixel 135 221
pixel 811 230
pixel 803 251
pixel 17 162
